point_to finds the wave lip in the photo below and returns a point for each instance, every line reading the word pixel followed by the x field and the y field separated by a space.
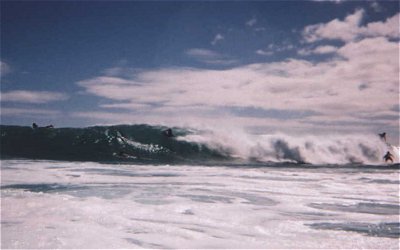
pixel 148 144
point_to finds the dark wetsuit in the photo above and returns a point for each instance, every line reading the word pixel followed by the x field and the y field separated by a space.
pixel 168 133
pixel 388 157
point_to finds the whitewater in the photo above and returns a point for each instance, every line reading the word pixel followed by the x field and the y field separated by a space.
pixel 129 186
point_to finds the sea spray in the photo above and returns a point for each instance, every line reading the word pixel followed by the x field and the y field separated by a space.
pixel 333 149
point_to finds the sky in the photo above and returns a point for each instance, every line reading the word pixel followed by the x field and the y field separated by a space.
pixel 266 66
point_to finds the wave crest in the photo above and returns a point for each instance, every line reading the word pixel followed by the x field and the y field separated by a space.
pixel 145 143
pixel 344 149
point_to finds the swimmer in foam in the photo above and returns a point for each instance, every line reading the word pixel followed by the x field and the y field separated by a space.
pixel 388 157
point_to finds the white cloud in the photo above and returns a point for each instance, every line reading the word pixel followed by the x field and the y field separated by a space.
pixel 324 49
pixel 258 29
pixel 350 29
pixel 352 89
pixel 345 30
pixel 209 56
pixel 202 53
pixel 218 37
pixel 376 6
pixel 371 49
pixel 389 28
pixel 264 52
pixel 28 112
pixel 126 105
pixel 4 69
pixel 330 88
pixel 304 52
pixel 274 48
pixel 108 116
pixel 25 96
pixel 251 22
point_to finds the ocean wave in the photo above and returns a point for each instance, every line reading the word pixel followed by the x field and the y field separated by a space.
pixel 149 144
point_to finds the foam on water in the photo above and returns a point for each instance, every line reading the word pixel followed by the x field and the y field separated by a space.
pixel 51 204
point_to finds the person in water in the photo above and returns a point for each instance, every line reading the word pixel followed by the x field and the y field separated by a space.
pixel 168 133
pixel 35 126
pixel 388 157
pixel 383 136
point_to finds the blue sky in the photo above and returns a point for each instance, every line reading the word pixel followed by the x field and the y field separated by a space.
pixel 307 66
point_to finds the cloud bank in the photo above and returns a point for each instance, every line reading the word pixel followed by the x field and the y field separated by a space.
pixel 350 29
pixel 25 96
pixel 355 88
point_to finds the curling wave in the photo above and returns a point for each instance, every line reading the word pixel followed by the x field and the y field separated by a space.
pixel 148 144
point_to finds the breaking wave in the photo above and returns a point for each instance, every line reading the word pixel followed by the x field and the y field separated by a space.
pixel 148 144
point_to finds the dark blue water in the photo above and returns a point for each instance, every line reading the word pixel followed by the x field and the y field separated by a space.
pixel 123 143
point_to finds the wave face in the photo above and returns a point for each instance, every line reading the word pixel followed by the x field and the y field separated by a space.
pixel 148 144
pixel 103 143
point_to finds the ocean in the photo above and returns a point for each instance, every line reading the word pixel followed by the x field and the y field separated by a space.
pixel 131 186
